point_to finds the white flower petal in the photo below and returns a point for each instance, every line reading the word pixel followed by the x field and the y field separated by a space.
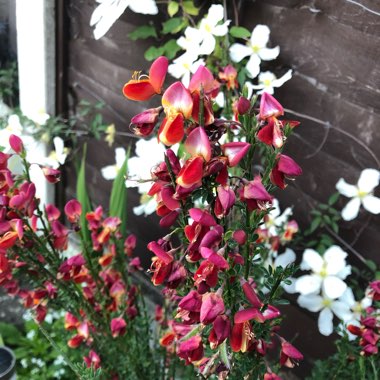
pixel 280 81
pixel 291 289
pixel 348 297
pixel 109 172
pixel 308 284
pixel 221 30
pixel 311 302
pixel 238 52
pixel 351 210
pixel 253 66
pixel 333 287
pixel 341 310
pixel 335 259
pixel 215 14
pixel 325 322
pixel 260 36
pixel 346 189
pixel 208 44
pixel 368 180
pixel 311 260
pixel 267 54
pixel 371 204
pixel 120 155
pixel 285 258
pixel 146 7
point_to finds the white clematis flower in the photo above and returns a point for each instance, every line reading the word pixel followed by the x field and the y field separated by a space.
pixel 14 127
pixel 108 11
pixel 361 194
pixel 183 66
pixel 110 172
pixel 58 156
pixel 327 308
pixel 274 220
pixel 356 307
pixel 256 50
pixel 328 272
pixel 210 27
pixel 191 40
pixel 268 81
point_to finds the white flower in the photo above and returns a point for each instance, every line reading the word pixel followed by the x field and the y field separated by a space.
pixel 184 65
pixel 356 307
pixel 191 40
pixel 327 308
pixel 14 127
pixel 328 272
pixel 4 109
pixel 362 193
pixel 58 156
pixel 210 27
pixel 148 206
pixel 110 172
pixel 40 116
pixel 274 220
pixel 256 50
pixel 108 11
pixel 268 81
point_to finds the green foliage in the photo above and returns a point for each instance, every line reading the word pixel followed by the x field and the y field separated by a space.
pixel 190 8
pixel 143 32
pixel 36 358
pixel 9 84
pixel 118 198
pixel 173 8
pixel 240 32
pixel 83 197
pixel 173 25
pixel 346 363
pixel 169 49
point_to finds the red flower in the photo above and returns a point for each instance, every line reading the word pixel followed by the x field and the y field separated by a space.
pixel 144 87
pixel 73 210
pixel 118 327
pixel 191 350
pixel 285 168
pixel 144 123
pixel 289 355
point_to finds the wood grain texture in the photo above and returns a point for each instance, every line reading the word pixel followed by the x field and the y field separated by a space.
pixel 333 48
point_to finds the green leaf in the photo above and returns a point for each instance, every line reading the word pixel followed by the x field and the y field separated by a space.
pixel 371 265
pixel 174 25
pixel 143 32
pixel 224 354
pixel 190 8
pixel 240 32
pixel 333 198
pixel 118 199
pixel 153 53
pixel 83 198
pixel 173 8
pixel 171 49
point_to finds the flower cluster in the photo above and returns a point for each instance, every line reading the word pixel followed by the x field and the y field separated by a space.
pixel 368 326
pixel 217 202
pixel 94 286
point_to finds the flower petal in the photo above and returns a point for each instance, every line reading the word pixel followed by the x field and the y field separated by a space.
pixel 157 73
pixel 325 322
pixel 177 98
pixel 238 52
pixel 341 310
pixel 308 284
pixel 333 287
pixel 253 66
pixel 311 260
pixel 198 144
pixel 260 36
pixel 267 54
pixel 371 204
pixel 146 7
pixel 368 180
pixel 285 258
pixel 351 210
pixel 311 302
pixel 346 189
pixel 138 90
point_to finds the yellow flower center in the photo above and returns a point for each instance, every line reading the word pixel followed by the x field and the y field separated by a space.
pixel 267 83
pixel 362 194
pixel 323 273
pixel 255 48
pixel 186 66
pixel 326 302
pixel 208 28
